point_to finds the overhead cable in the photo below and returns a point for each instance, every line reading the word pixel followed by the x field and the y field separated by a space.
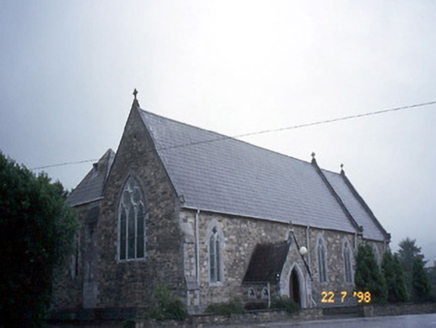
pixel 299 126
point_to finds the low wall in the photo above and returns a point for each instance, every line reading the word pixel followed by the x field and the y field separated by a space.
pixel 205 320
pixel 398 309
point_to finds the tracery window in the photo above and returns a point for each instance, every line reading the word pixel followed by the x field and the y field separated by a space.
pixel 347 262
pixel 131 222
pixel 322 269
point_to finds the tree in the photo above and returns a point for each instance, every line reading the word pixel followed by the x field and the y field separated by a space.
pixel 408 252
pixel 421 287
pixel 394 276
pixel 37 228
pixel 368 277
pixel 431 272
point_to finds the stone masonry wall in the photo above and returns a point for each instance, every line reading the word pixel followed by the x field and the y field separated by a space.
pixel 69 279
pixel 131 283
pixel 240 238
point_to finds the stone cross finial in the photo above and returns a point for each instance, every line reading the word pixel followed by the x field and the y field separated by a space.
pixel 313 158
pixel 135 101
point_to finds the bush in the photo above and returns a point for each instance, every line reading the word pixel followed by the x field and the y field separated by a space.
pixel 228 308
pixel 368 276
pixel 421 286
pixel 256 306
pixel 128 324
pixel 167 308
pixel 394 276
pixel 285 303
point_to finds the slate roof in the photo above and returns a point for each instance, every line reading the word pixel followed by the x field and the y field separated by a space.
pixel 217 173
pixel 91 187
pixel 221 174
pixel 355 205
pixel 266 262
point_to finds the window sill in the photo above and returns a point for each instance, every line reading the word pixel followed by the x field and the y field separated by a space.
pixel 216 284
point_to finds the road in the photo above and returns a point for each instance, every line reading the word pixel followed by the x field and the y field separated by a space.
pixel 404 321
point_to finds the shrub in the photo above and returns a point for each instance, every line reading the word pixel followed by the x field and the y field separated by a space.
pixel 168 307
pixel 421 286
pixel 128 324
pixel 228 308
pixel 394 276
pixel 285 303
pixel 368 276
pixel 256 306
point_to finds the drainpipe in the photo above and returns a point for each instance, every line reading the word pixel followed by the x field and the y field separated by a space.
pixel 197 256
pixel 197 248
pixel 308 260
pixel 308 245
pixel 269 295
pixel 355 241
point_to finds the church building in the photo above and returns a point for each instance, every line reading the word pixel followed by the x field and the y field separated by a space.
pixel 212 218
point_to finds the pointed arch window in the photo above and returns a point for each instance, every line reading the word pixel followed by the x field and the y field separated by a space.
pixel 377 255
pixel 347 262
pixel 131 222
pixel 322 269
pixel 215 256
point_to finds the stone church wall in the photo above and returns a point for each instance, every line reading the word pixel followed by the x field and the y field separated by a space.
pixel 102 280
pixel 69 279
pixel 131 283
pixel 240 238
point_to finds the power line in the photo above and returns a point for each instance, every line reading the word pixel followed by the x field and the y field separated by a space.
pixel 299 126
pixel 63 164
pixel 338 119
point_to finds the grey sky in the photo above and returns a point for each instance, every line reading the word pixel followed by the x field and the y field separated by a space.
pixel 67 71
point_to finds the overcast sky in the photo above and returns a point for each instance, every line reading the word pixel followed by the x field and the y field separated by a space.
pixel 68 69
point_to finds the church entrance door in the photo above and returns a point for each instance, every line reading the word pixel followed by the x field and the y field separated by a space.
pixel 294 287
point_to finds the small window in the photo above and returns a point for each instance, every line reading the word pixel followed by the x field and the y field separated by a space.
pixel 321 261
pixel 376 255
pixel 74 265
pixel 215 256
pixel 347 263
pixel 131 218
pixel 251 293
pixel 265 293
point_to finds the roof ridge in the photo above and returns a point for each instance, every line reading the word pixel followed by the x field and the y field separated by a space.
pixel 365 205
pixel 359 229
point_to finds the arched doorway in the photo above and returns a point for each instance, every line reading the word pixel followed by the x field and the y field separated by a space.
pixel 294 287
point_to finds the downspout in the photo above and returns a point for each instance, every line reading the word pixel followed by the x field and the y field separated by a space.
pixel 197 257
pixel 197 248
pixel 269 294
pixel 355 241
pixel 308 245
pixel 308 260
